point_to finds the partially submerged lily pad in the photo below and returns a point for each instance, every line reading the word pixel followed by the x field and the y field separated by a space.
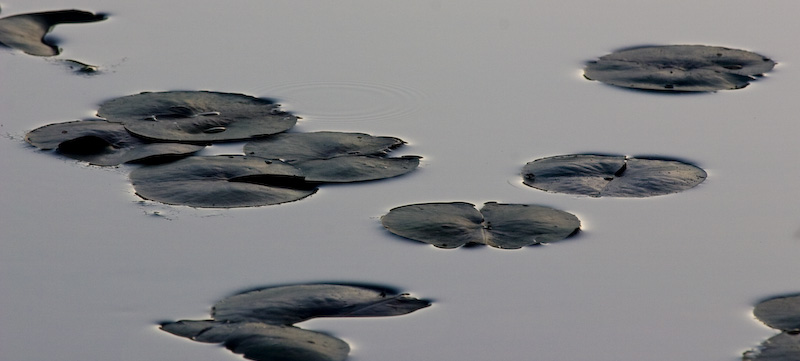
pixel 26 31
pixel 687 68
pixel 258 323
pixel 784 346
pixel 294 147
pixel 221 182
pixel 452 225
pixel 611 176
pixel 197 116
pixel 782 313
pixel 102 143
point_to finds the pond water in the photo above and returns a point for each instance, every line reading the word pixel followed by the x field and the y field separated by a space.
pixel 89 269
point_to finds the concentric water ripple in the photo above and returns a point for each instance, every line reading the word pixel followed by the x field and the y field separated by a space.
pixel 346 101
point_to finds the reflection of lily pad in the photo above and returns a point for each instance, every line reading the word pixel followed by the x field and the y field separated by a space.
pixel 221 182
pixel 784 346
pixel 286 305
pixel 259 341
pixel 102 143
pixel 679 68
pixel 782 313
pixel 258 323
pixel 451 225
pixel 197 116
pixel 611 176
pixel 26 31
pixel 292 147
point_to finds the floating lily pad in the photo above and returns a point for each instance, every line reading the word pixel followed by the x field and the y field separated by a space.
pixel 102 143
pixel 197 116
pixel 264 342
pixel 782 313
pixel 611 176
pixel 293 147
pixel 286 305
pixel 258 323
pixel 221 182
pixel 356 168
pixel 687 68
pixel 782 347
pixel 452 225
pixel 26 31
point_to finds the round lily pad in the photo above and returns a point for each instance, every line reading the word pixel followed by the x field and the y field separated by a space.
pixel 784 346
pixel 286 305
pixel 781 313
pixel 26 31
pixel 264 342
pixel 356 168
pixel 102 143
pixel 686 68
pixel 221 182
pixel 293 147
pixel 197 116
pixel 611 176
pixel 509 226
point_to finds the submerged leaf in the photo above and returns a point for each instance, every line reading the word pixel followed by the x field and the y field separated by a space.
pixel 784 346
pixel 26 31
pixel 197 116
pixel 102 143
pixel 293 147
pixel 509 226
pixel 286 305
pixel 781 313
pixel 221 182
pixel 611 176
pixel 687 68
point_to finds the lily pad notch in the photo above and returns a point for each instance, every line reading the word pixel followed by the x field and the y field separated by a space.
pixel 679 68
pixel 456 224
pixel 259 323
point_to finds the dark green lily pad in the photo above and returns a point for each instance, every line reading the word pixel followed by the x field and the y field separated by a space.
pixel 356 168
pixel 197 116
pixel 294 147
pixel 26 31
pixel 258 323
pixel 508 226
pixel 684 68
pixel 259 341
pixel 102 143
pixel 611 176
pixel 782 347
pixel 221 182
pixel 782 313
pixel 286 305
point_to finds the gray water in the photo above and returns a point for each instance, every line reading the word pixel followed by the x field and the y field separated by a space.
pixel 88 269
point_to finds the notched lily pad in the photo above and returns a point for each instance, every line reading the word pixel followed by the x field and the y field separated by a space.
pixel 258 324
pixel 294 147
pixel 611 176
pixel 26 31
pixel 452 225
pixel 221 182
pixel 684 68
pixel 102 143
pixel 782 313
pixel 197 116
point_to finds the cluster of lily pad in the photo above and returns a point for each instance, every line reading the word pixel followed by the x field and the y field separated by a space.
pixel 158 128
pixel 781 313
pixel 260 324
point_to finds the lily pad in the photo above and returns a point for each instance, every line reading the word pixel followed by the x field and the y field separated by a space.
pixel 508 226
pixel 685 68
pixel 356 168
pixel 286 305
pixel 221 182
pixel 264 342
pixel 294 147
pixel 26 31
pixel 784 346
pixel 611 176
pixel 197 116
pixel 102 143
pixel 782 313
